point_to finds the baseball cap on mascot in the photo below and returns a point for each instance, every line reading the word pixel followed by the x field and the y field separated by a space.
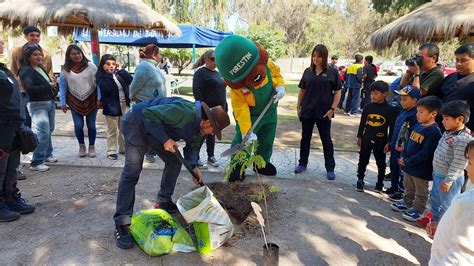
pixel 236 57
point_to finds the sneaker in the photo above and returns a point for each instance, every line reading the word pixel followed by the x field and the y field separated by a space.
pixel 354 115
pixel 40 168
pixel 51 159
pixel 92 153
pixel 330 175
pixel 113 156
pixel 399 206
pixel 202 165
pixel 422 222
pixel 388 177
pixel 390 191
pixel 150 158
pixel 411 215
pixel 300 169
pixel 19 205
pixel 396 197
pixel 6 214
pixel 20 175
pixel 123 238
pixel 169 206
pixel 346 113
pixel 379 187
pixel 82 150
pixel 360 186
pixel 212 161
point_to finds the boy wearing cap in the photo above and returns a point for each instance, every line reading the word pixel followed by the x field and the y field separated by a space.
pixel 449 160
pixel 404 124
pixel 375 131
pixel 159 123
pixel 416 159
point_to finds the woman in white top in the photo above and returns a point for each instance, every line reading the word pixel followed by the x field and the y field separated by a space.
pixel 77 89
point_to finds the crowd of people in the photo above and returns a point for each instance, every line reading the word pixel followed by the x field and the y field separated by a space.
pixel 427 128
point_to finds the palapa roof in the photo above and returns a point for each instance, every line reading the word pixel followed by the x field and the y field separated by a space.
pixel 435 21
pixel 67 14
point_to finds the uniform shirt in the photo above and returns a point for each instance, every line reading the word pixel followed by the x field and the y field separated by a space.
pixel 419 151
pixel 319 92
pixel 209 87
pixel 377 121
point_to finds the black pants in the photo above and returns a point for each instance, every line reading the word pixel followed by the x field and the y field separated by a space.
pixel 364 156
pixel 324 128
pixel 9 160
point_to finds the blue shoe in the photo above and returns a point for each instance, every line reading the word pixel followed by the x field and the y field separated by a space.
pixel 399 206
pixel 331 175
pixel 411 215
pixel 300 169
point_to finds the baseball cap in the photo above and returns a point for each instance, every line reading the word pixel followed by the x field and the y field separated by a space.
pixel 409 90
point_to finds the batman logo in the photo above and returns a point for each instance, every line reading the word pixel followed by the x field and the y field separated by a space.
pixel 375 120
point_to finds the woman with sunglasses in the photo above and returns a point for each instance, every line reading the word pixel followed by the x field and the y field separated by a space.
pixel 148 81
pixel 209 87
pixel 42 91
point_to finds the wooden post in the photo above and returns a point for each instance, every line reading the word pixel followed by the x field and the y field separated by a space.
pixel 95 45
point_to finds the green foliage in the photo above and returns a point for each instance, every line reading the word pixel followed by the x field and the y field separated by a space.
pixel 384 6
pixel 274 189
pixel 183 57
pixel 270 37
pixel 247 158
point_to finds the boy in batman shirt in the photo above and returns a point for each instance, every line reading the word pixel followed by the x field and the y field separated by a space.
pixel 375 132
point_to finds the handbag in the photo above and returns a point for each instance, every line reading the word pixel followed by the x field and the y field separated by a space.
pixel 28 140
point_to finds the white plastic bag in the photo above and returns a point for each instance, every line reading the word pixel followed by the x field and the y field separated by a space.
pixel 212 225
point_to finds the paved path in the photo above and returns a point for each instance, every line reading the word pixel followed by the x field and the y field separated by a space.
pixel 285 159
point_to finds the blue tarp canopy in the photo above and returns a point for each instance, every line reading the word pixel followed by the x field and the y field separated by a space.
pixel 192 37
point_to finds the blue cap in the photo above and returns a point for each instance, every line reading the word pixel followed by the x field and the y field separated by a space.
pixel 410 90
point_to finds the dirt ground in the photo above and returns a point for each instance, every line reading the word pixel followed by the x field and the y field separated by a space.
pixel 315 222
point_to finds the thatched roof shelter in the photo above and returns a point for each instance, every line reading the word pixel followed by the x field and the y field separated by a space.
pixel 67 14
pixel 439 20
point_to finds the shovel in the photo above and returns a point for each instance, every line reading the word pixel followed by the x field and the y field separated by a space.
pixel 241 145
pixel 188 167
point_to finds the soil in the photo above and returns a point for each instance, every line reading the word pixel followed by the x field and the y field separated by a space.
pixel 236 197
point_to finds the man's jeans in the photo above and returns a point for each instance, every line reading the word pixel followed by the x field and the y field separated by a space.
pixel 9 162
pixel 352 103
pixel 42 117
pixel 79 126
pixel 397 176
pixel 440 201
pixel 136 146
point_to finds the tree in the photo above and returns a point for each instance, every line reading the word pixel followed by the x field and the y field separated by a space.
pixel 384 6
pixel 271 38
pixel 182 57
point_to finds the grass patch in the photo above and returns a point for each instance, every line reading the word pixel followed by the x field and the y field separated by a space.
pixel 186 90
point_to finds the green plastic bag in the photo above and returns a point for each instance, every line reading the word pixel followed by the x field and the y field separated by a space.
pixel 157 233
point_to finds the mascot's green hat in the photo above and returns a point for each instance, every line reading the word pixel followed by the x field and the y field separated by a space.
pixel 236 56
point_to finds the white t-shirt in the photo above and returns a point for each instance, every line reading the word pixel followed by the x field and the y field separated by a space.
pixel 453 243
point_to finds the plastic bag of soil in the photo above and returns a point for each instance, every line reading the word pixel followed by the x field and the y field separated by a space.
pixel 157 233
pixel 212 225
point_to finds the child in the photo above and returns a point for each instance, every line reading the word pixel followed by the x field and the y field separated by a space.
pixel 113 95
pixel 416 159
pixel 453 242
pixel 378 117
pixel 449 160
pixel 405 122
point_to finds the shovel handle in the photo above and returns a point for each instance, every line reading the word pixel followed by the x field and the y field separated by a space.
pixel 178 154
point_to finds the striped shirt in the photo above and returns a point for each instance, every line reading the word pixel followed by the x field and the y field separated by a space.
pixel 449 159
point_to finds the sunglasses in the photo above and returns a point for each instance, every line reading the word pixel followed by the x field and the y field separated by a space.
pixel 212 59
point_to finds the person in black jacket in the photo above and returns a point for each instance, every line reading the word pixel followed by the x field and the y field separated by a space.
pixel 114 96
pixel 375 133
pixel 209 87
pixel 42 91
pixel 11 119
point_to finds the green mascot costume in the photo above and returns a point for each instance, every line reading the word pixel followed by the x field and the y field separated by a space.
pixel 254 81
